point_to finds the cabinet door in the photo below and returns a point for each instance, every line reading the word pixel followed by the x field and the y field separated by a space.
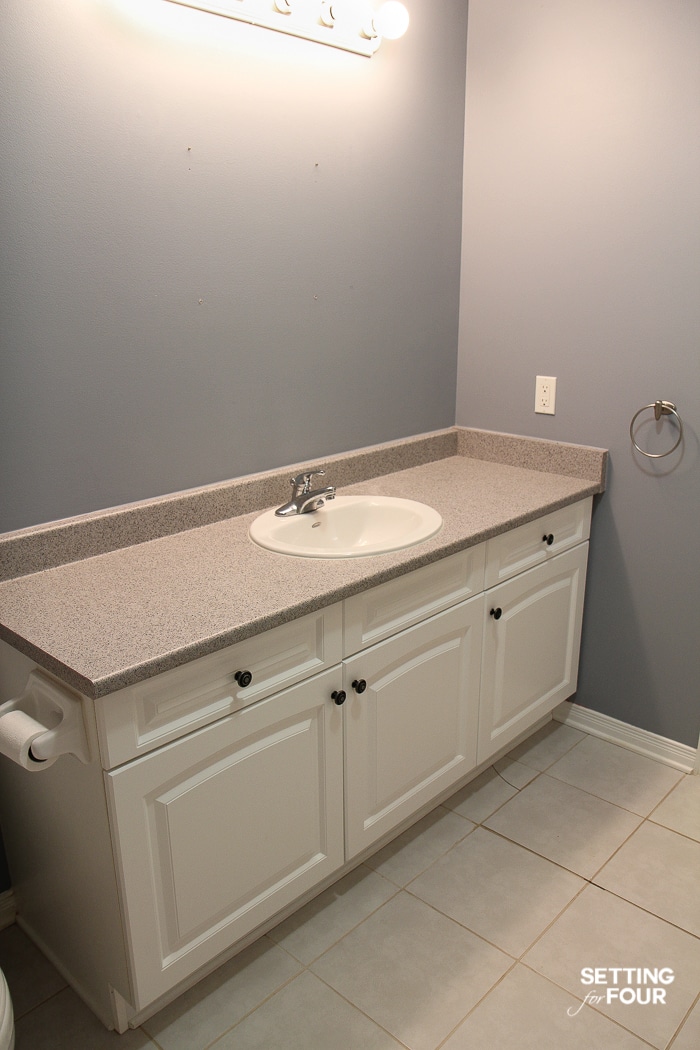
pixel 411 731
pixel 218 831
pixel 530 657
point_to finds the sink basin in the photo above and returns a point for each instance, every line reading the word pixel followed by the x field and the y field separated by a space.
pixel 348 527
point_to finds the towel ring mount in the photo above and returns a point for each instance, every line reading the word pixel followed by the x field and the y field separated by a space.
pixel 661 408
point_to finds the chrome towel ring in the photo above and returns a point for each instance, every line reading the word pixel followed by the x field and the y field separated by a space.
pixel 661 408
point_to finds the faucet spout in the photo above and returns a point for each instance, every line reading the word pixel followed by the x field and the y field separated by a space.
pixel 315 500
pixel 303 500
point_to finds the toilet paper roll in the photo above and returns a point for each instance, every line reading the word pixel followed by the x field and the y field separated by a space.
pixel 17 733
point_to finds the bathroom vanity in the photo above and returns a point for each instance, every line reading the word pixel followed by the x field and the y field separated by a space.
pixel 229 787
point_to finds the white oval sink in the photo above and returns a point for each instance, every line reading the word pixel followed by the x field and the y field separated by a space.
pixel 348 527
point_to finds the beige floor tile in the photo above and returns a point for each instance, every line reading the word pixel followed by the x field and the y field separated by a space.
pixel 688 1038
pixel 30 977
pixel 546 745
pixel 527 1012
pixel 515 773
pixel 660 871
pixel 481 797
pixel 598 930
pixel 65 1023
pixel 615 774
pixel 413 971
pixel 316 927
pixel 498 890
pixel 564 824
pixel 419 846
pixel 680 811
pixel 199 1016
pixel 306 1015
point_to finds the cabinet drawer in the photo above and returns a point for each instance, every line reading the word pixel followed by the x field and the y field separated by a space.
pixel 537 541
pixel 145 716
pixel 384 610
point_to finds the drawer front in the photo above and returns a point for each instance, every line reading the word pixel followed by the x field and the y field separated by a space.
pixel 145 716
pixel 384 610
pixel 537 541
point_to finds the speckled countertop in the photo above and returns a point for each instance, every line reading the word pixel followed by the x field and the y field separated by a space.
pixel 114 618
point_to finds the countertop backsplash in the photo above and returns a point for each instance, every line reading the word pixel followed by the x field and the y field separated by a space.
pixel 102 603
pixel 45 546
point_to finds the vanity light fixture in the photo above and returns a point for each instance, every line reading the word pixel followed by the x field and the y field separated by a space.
pixel 352 25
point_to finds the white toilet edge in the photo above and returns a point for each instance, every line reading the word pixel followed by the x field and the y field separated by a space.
pixel 7 1023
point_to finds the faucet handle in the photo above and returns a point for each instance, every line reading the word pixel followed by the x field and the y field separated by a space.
pixel 301 483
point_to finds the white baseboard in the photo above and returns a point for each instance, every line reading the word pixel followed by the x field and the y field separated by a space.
pixel 680 756
pixel 8 910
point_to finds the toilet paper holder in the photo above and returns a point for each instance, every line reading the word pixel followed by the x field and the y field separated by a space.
pixel 59 711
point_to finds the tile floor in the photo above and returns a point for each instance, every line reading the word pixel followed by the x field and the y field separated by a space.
pixel 469 931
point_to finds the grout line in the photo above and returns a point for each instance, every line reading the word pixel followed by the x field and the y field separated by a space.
pixel 351 929
pixel 682 780
pixel 640 907
pixel 587 791
pixel 48 999
pixel 266 999
pixel 500 980
pixel 543 736
pixel 673 831
pixel 360 1011
pixel 600 1013
pixel 677 1032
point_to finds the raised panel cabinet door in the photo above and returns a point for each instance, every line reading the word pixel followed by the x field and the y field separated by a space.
pixel 532 636
pixel 220 830
pixel 411 721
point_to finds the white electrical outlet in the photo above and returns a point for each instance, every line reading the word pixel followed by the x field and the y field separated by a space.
pixel 545 394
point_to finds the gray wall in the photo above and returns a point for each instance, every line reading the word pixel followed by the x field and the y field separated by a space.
pixel 223 250
pixel 581 260
pixel 311 200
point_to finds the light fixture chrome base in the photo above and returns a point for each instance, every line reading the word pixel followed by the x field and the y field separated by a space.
pixel 338 24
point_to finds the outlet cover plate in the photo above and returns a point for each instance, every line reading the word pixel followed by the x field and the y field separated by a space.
pixel 545 394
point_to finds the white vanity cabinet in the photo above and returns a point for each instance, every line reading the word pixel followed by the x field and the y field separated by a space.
pixel 217 832
pixel 532 627
pixel 230 788
pixel 220 829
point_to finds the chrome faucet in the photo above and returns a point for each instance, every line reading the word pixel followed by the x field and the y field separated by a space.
pixel 303 500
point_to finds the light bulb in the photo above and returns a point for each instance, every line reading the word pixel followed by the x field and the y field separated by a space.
pixel 391 20
pixel 327 14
